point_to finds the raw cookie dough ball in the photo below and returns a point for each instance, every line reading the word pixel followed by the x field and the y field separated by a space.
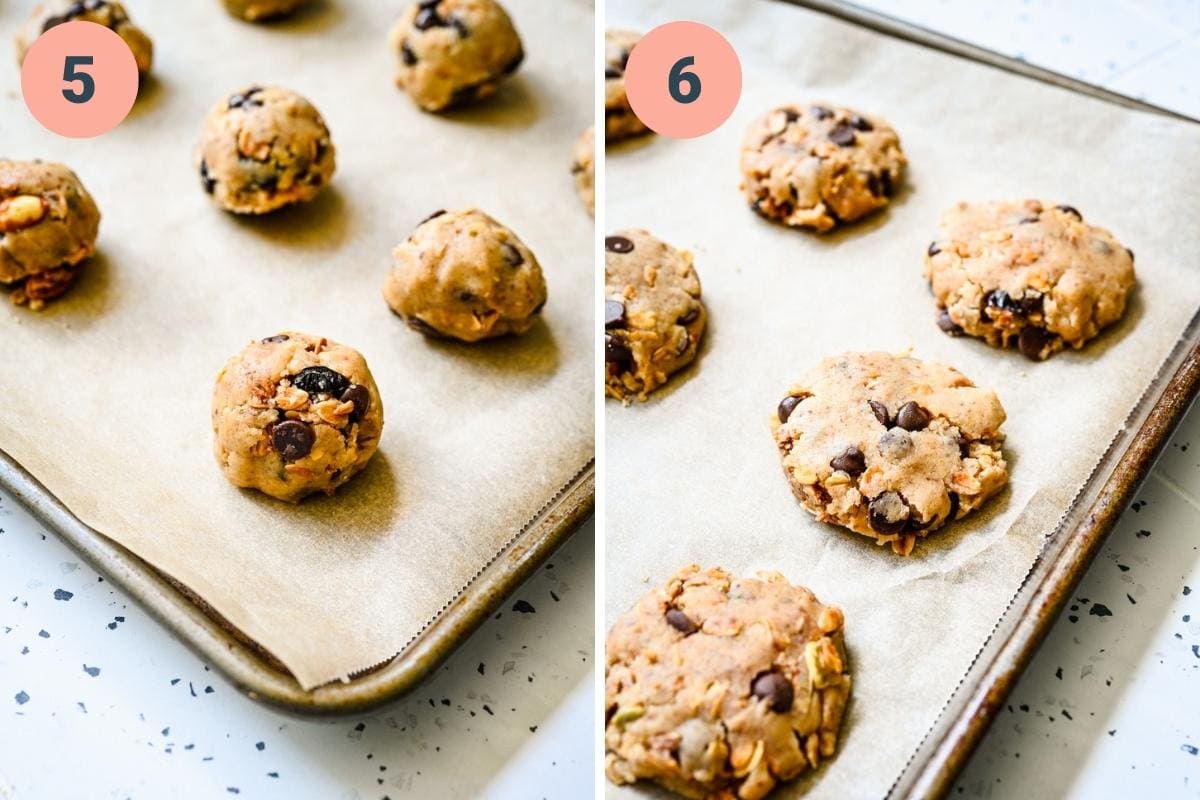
pixel 111 15
pixel 295 414
pixel 48 226
pixel 816 166
pixel 1027 273
pixel 583 167
pixel 263 149
pixel 463 275
pixel 721 687
pixel 619 120
pixel 262 10
pixel 454 52
pixel 889 446
pixel 653 317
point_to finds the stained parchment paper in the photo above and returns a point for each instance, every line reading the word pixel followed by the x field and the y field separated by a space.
pixel 106 393
pixel 693 474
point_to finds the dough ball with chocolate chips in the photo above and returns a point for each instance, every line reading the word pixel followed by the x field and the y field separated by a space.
pixel 889 446
pixel 262 10
pixel 264 148
pixel 583 167
pixel 454 52
pixel 49 13
pixel 619 120
pixel 295 414
pixel 819 165
pixel 48 226
pixel 1028 274
pixel 722 687
pixel 653 317
pixel 463 275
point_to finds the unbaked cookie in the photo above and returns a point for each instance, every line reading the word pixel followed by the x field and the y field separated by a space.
pixel 295 414
pixel 653 317
pixel 463 275
pixel 264 148
pixel 48 226
pixel 819 165
pixel 619 120
pixel 262 10
pixel 1027 273
pixel 454 52
pixel 720 687
pixel 49 13
pixel 889 446
pixel 583 167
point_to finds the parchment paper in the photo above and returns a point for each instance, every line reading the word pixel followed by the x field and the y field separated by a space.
pixel 693 475
pixel 106 393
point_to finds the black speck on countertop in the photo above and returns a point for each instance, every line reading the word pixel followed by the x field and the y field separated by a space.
pixel 1187 590
pixel 260 746
pixel 21 697
pixel 1058 673
pixel 63 594
pixel 93 671
pixel 523 607
pixel 480 668
pixel 1142 534
pixel 1100 610
pixel 1189 749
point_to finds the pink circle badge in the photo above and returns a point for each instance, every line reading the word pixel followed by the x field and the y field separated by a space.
pixel 683 79
pixel 79 79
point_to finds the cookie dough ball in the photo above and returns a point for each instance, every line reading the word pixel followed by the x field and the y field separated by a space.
pixel 463 275
pixel 583 167
pixel 1027 273
pixel 263 149
pixel 819 165
pixel 295 414
pixel 48 226
pixel 454 52
pixel 619 120
pixel 111 15
pixel 653 317
pixel 889 446
pixel 721 687
pixel 262 10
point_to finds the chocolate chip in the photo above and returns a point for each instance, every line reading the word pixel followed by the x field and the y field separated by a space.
pixel 407 54
pixel 881 413
pixel 1071 210
pixel 614 314
pixel 1001 300
pixel 842 135
pixel 873 184
pixel 860 123
pixel 851 461
pixel 885 179
pixel 1032 341
pixel 207 181
pixel 246 98
pixel 953 506
pixel 512 255
pixel 434 215
pixel 947 324
pixel 786 406
pixel 320 380
pixel 775 689
pixel 512 65
pixel 611 72
pixel 458 25
pixel 623 59
pixel 1027 220
pixel 276 339
pixel 821 112
pixel 888 513
pixel 790 114
pixel 933 249
pixel 680 621
pixel 964 445
pixel 689 317
pixel 1030 304
pixel 618 244
pixel 293 439
pixel 616 353
pixel 427 17
pixel 912 417
pixel 424 328
pixel 1127 250
pixel 361 397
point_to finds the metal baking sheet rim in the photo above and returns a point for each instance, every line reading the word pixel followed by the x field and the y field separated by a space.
pixel 251 668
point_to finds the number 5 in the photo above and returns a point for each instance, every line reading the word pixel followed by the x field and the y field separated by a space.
pixel 86 83
pixel 678 76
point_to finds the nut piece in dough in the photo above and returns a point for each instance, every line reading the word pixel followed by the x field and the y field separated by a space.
pixel 110 14
pixel 262 10
pixel 454 52
pixel 722 687
pixel 463 275
pixel 48 226
pixel 295 414
pixel 819 165
pixel 889 446
pixel 653 317
pixel 1028 274
pixel 263 148
pixel 619 120
pixel 583 167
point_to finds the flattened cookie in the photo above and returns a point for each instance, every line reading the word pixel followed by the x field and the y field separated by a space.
pixel 110 14
pixel 619 120
pixel 48 226
pixel 583 167
pixel 653 317
pixel 720 687
pixel 816 166
pixel 295 414
pixel 1027 273
pixel 889 446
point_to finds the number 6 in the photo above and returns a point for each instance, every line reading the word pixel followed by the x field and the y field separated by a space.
pixel 70 74
pixel 678 76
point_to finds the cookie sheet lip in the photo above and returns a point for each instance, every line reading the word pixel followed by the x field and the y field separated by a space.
pixel 889 446
pixel 717 685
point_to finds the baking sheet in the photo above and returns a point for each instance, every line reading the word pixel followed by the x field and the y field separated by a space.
pixel 694 475
pixel 107 391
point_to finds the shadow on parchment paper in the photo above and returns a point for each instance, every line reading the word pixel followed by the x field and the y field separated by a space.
pixel 149 96
pixel 87 299
pixel 632 144
pixel 532 356
pixel 515 104
pixel 316 225
pixel 678 379
pixel 314 17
